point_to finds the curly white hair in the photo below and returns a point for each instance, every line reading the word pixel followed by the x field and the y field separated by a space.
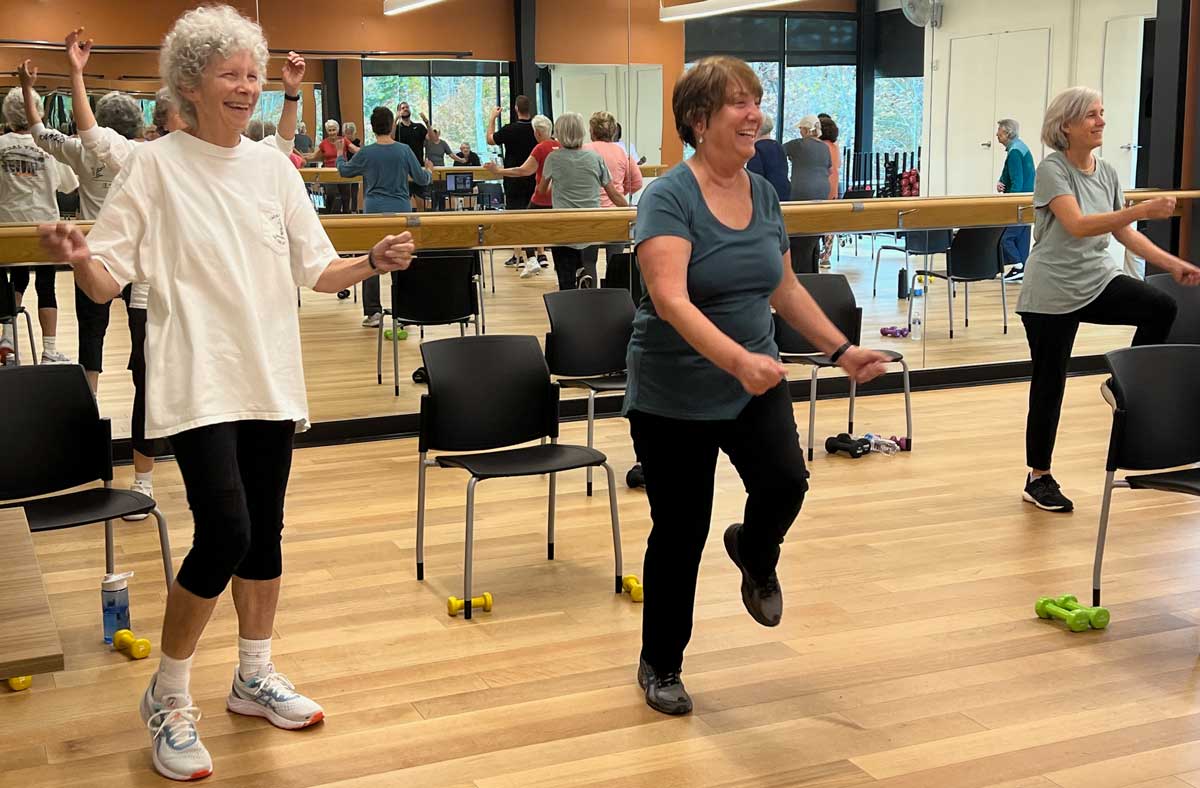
pixel 14 109
pixel 199 36
pixel 121 113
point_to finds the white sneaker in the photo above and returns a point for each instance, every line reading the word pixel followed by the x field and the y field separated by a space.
pixel 531 269
pixel 271 695
pixel 174 741
pixel 54 357
pixel 372 321
pixel 146 489
pixel 7 353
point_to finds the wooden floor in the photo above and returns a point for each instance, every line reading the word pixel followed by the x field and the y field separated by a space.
pixel 908 656
pixel 339 361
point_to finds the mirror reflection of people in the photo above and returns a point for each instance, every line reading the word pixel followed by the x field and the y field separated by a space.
pixel 222 231
pixel 518 140
pixel 1017 176
pixel 304 143
pixel 811 167
pixel 770 160
pixel 628 146
pixel 413 134
pixel 829 136
pixel 466 157
pixel 543 132
pixel 1071 277
pixel 626 175
pixel 337 195
pixel 704 370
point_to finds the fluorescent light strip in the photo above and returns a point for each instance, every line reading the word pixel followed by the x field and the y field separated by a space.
pixel 393 7
pixel 703 8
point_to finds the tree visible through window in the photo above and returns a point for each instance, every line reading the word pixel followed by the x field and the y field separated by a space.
pixel 389 91
pixel 899 104
pixel 270 105
pixel 811 90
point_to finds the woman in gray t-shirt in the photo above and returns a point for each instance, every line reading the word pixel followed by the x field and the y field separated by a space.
pixel 1071 278
pixel 577 176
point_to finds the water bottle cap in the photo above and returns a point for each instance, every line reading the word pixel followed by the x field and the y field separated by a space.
pixel 116 582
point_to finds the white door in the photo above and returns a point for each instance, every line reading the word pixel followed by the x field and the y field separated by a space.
pixel 1022 85
pixel 583 90
pixel 1122 87
pixel 646 108
pixel 970 118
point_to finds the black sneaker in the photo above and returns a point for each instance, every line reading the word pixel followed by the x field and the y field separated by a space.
pixel 543 261
pixel 1015 274
pixel 1044 493
pixel 763 598
pixel 512 262
pixel 664 692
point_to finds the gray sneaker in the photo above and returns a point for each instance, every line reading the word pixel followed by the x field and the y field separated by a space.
pixel 664 692
pixel 372 321
pixel 763 598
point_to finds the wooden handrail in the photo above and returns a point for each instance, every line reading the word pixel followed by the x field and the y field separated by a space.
pixel 466 229
pixel 330 174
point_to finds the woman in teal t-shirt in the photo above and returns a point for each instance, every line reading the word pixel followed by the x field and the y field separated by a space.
pixel 704 371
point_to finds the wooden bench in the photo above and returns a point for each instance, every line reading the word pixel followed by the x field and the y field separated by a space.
pixel 31 644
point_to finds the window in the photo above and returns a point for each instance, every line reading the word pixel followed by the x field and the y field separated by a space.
pixel 270 106
pixel 462 106
pixel 388 91
pixel 899 105
pixel 318 132
pixel 811 90
pixel 147 112
pixel 457 96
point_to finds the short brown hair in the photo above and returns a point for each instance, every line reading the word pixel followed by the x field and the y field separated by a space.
pixel 705 88
pixel 829 129
pixel 602 126
pixel 524 105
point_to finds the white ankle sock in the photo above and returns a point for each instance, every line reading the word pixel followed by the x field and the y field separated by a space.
pixel 146 478
pixel 173 677
pixel 49 344
pixel 253 656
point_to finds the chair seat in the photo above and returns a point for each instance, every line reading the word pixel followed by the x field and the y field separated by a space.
pixel 93 505
pixel 617 382
pixel 818 360
pixel 1185 481
pixel 529 461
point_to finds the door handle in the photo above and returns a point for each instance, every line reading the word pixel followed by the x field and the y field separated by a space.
pixel 1131 146
pixel 985 144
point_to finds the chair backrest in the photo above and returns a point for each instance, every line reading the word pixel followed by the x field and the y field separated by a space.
pixel 927 241
pixel 1186 328
pixel 8 299
pixel 1156 424
pixel 438 288
pixel 833 294
pixel 52 435
pixel 589 331
pixel 486 392
pixel 975 254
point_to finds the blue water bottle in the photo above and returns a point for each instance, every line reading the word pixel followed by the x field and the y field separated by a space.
pixel 114 603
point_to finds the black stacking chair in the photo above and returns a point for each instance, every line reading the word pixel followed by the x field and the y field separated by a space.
pixel 833 294
pixel 916 242
pixel 521 406
pixel 55 440
pixel 589 334
pixel 9 312
pixel 440 288
pixel 974 256
pixel 1186 328
pixel 1153 393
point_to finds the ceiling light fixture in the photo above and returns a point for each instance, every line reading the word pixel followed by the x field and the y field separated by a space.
pixel 393 7
pixel 702 8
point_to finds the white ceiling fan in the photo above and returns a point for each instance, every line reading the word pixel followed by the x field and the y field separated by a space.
pixel 923 12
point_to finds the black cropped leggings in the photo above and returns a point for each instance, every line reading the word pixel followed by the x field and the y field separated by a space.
pixel 236 476
pixel 43 284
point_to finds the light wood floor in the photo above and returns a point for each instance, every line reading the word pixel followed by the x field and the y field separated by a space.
pixel 339 358
pixel 908 657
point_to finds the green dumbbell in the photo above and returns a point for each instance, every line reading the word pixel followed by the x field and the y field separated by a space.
pixel 1098 617
pixel 1076 620
pixel 401 334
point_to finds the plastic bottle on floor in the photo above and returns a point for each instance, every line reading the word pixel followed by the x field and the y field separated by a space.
pixel 915 332
pixel 882 445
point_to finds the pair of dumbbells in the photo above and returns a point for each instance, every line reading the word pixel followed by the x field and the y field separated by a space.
pixel 850 446
pixel 1067 609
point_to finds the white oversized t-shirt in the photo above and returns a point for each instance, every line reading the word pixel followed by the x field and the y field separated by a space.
pixel 29 177
pixel 94 176
pixel 223 237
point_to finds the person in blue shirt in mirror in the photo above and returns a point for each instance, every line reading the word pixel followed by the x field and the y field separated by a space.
pixel 704 369
pixel 770 160
pixel 1015 178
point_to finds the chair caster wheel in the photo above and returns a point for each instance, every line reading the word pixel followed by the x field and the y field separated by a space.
pixel 635 478
pixel 343 295
pixel 18 683
pixel 420 376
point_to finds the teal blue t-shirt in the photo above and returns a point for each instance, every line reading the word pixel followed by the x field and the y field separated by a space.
pixel 730 278
pixel 385 170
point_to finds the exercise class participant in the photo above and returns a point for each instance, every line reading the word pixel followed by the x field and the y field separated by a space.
pixel 543 132
pixel 518 141
pixel 231 236
pixel 704 371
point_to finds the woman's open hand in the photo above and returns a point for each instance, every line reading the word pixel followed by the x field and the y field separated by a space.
pixel 758 373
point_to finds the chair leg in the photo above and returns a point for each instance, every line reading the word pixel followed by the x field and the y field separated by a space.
pixel 110 562
pixel 551 500
pixel 912 282
pixel 379 354
pixel 1100 536
pixel 396 356
pixel 591 429
pixel 355 293
pixel 469 552
pixel 492 267
pixel 462 329
pixel 875 279
pixel 616 523
pixel 32 346
pixel 421 468
pixel 853 391
pixel 907 404
pixel 812 412
pixel 164 544
pixel 1004 302
pixel 950 301
pixel 966 304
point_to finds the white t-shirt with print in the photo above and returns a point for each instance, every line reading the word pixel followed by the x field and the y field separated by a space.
pixel 95 177
pixel 223 237
pixel 29 177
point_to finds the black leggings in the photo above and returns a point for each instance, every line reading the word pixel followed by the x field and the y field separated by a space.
pixel 44 284
pixel 568 262
pixel 679 458
pixel 236 476
pixel 1124 302
pixel 93 325
pixel 137 365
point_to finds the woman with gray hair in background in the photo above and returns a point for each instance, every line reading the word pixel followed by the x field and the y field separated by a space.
pixel 1070 277
pixel 811 165
pixel 770 159
pixel 577 177
pixel 230 238
pixel 543 132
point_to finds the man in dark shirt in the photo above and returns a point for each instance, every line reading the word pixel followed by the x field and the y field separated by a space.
pixel 413 135
pixel 466 157
pixel 518 141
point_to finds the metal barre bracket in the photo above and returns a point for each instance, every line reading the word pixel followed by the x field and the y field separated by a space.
pixel 412 221
pixel 901 214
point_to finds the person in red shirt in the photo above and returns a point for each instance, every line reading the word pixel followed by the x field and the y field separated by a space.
pixel 543 130
pixel 337 195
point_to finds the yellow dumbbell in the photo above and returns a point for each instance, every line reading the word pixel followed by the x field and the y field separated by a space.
pixel 454 605
pixel 18 683
pixel 633 587
pixel 137 648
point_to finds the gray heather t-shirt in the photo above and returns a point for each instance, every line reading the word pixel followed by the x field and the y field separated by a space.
pixel 811 163
pixel 437 152
pixel 1065 273
pixel 730 278
pixel 578 176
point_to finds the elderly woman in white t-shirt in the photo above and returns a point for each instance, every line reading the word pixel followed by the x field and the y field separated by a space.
pixel 222 231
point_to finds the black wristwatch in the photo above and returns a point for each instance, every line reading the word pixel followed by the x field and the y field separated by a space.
pixel 371 260
pixel 840 352
pixel 286 97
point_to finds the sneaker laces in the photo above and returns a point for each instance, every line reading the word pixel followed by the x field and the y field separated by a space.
pixel 177 722
pixel 669 679
pixel 272 684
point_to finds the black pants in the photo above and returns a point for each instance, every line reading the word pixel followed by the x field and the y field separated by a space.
pixel 568 263
pixel 236 476
pixel 137 365
pixel 805 258
pixel 93 325
pixel 679 458
pixel 1124 302
pixel 44 284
